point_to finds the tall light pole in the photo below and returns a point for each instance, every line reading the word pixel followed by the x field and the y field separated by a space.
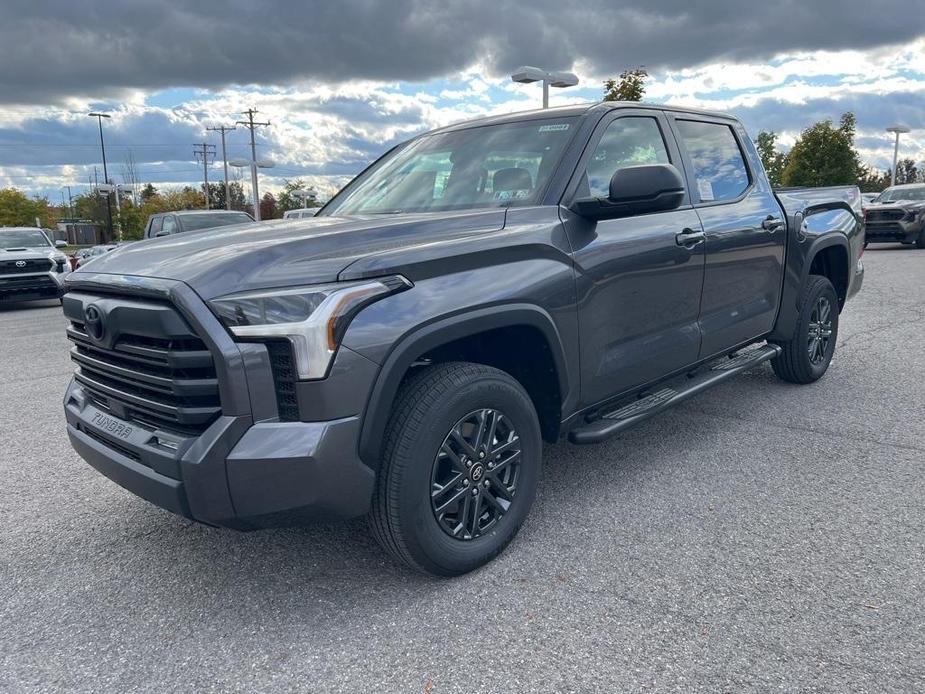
pixel 99 118
pixel 897 129
pixel 252 126
pixel 224 129
pixel 527 75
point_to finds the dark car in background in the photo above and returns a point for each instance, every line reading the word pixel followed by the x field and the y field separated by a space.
pixel 167 223
pixel 897 215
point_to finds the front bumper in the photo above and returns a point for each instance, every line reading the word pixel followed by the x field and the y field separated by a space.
pixel 31 287
pixel 896 231
pixel 246 469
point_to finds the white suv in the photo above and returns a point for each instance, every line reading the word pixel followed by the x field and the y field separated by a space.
pixel 31 266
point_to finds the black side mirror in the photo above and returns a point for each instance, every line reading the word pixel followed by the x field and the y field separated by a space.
pixel 636 190
pixel 162 233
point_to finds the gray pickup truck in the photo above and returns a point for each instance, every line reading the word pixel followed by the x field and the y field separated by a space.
pixel 31 266
pixel 897 215
pixel 477 290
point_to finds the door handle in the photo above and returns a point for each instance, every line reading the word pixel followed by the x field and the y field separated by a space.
pixel 772 224
pixel 690 238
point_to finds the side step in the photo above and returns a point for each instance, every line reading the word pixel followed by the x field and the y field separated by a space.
pixel 618 420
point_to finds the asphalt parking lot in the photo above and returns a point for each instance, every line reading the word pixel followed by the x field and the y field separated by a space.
pixel 762 537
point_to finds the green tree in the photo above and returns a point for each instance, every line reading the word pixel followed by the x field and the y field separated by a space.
pixel 18 210
pixel 217 195
pixel 824 155
pixel 773 160
pixel 630 87
pixel 148 192
pixel 872 181
pixel 907 172
pixel 286 200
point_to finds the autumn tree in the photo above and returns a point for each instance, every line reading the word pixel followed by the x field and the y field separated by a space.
pixel 18 210
pixel 630 87
pixel 824 155
pixel 268 207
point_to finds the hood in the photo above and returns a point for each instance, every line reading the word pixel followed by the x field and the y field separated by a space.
pixel 284 253
pixel 896 204
pixel 31 254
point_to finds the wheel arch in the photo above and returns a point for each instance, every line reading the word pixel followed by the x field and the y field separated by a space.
pixel 440 337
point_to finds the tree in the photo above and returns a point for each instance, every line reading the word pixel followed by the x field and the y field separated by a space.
pixel 824 155
pixel 872 181
pixel 773 160
pixel 630 87
pixel 18 210
pixel 268 209
pixel 217 195
pixel 288 201
pixel 148 192
pixel 906 172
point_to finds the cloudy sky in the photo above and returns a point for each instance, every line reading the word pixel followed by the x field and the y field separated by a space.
pixel 342 81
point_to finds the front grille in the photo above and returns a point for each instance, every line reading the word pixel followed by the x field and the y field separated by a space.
pixel 885 215
pixel 12 267
pixel 41 284
pixel 160 382
pixel 284 378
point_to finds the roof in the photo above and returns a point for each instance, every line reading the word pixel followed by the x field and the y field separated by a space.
pixel 600 107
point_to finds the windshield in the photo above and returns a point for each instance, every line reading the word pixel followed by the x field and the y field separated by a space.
pixel 894 194
pixel 488 166
pixel 23 238
pixel 195 222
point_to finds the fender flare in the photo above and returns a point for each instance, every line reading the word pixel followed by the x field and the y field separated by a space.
pixel 441 332
pixel 795 280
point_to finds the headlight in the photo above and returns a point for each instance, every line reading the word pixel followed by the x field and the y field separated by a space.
pixel 312 318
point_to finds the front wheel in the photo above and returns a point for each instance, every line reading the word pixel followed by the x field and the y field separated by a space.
pixel 920 240
pixel 460 468
pixel 806 356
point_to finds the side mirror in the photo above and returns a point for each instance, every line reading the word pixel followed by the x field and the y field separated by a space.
pixel 162 233
pixel 636 190
pixel 60 244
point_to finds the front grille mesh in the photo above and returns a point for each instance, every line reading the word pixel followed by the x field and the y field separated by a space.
pixel 885 215
pixel 162 383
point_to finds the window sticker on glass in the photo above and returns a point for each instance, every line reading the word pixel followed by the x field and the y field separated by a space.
pixel 554 127
pixel 705 188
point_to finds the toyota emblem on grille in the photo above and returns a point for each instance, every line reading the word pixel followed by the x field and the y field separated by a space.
pixel 93 322
pixel 20 263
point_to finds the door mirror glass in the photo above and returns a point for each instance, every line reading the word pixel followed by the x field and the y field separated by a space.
pixel 60 244
pixel 636 190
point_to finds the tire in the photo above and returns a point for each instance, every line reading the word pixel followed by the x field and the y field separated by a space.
pixel 422 456
pixel 795 364
pixel 920 240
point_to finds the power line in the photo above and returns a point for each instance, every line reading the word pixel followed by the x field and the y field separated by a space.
pixel 204 151
pixel 251 125
pixel 223 129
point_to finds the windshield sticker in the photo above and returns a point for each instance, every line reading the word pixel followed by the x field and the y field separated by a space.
pixel 705 188
pixel 504 195
pixel 553 128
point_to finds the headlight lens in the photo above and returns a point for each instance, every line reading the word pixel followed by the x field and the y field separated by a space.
pixel 313 318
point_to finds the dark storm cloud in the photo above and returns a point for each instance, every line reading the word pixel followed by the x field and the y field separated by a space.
pixel 54 48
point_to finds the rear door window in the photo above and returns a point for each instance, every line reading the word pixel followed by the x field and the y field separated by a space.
pixel 719 167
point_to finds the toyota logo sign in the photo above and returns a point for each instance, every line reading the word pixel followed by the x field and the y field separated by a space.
pixel 93 322
pixel 20 263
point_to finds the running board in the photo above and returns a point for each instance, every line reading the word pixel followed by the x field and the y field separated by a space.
pixel 618 420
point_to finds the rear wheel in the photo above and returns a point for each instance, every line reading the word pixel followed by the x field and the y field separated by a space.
pixel 460 468
pixel 807 355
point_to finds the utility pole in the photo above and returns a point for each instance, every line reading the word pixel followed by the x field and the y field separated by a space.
pixel 99 118
pixel 205 151
pixel 224 129
pixel 251 125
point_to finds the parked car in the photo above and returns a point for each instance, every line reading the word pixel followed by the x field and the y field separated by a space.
pixel 167 223
pixel 93 253
pixel 31 266
pixel 479 289
pixel 301 213
pixel 867 198
pixel 897 215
